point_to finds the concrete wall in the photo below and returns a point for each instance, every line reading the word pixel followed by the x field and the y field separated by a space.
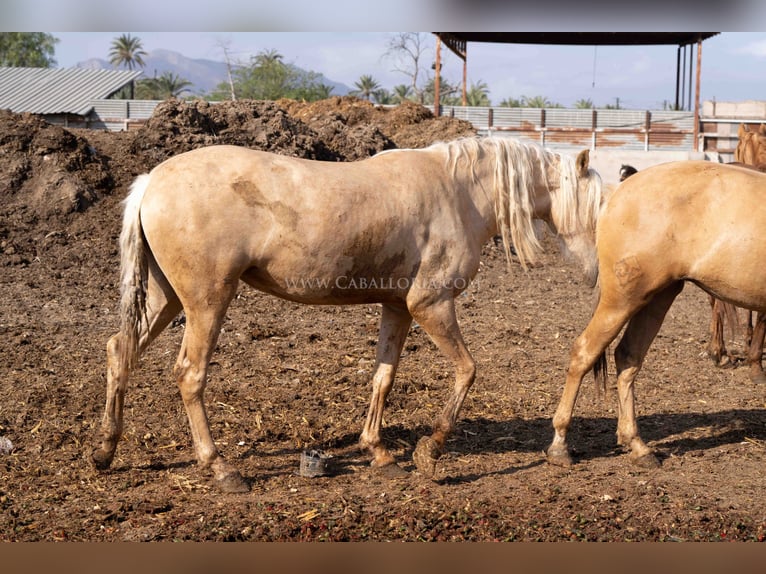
pixel 749 109
pixel 607 162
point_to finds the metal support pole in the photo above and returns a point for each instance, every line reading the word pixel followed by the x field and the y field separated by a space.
pixel 437 87
pixel 697 97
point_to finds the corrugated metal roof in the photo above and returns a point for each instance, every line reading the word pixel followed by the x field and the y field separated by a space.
pixel 58 90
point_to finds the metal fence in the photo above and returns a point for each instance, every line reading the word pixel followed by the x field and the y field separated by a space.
pixel 595 128
pixel 634 130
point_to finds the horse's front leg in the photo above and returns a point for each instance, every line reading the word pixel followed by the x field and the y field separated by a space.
pixel 202 328
pixel 394 325
pixel 440 322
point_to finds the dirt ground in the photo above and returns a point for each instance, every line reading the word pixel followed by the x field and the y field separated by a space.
pixel 286 378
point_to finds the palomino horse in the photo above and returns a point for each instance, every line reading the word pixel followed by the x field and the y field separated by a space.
pixel 684 221
pixel 750 151
pixel 404 228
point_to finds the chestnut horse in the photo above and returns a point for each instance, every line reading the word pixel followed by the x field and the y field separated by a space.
pixel 693 221
pixel 750 151
pixel 404 228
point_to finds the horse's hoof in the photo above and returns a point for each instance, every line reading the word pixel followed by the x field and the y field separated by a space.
pixel 647 461
pixel 233 483
pixel 101 459
pixel 758 378
pixel 427 452
pixel 392 470
pixel 558 456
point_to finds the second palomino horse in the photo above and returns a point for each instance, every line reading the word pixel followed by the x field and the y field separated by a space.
pixel 693 221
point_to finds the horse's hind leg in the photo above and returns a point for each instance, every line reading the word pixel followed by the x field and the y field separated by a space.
pixel 440 322
pixel 603 327
pixel 203 324
pixel 755 351
pixel 162 305
pixel 394 324
pixel 629 356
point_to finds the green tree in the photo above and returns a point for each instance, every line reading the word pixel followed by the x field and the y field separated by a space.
pixel 448 93
pixel 268 59
pixel 127 51
pixel 27 49
pixel 365 87
pixel 269 78
pixel 478 94
pixel 401 92
pixel 384 97
pixel 510 103
pixel 583 104
pixel 168 85
pixel 535 102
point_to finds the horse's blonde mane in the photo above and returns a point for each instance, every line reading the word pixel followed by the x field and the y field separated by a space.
pixel 517 167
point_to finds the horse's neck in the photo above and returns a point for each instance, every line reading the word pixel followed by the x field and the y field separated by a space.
pixel 481 189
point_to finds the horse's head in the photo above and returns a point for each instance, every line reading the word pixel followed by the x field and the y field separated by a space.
pixel 574 210
pixel 626 171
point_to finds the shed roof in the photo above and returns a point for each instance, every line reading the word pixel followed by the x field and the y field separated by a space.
pixel 456 41
pixel 58 90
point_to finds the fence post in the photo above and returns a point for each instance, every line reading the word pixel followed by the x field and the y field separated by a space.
pixel 594 124
pixel 490 118
pixel 647 128
pixel 542 127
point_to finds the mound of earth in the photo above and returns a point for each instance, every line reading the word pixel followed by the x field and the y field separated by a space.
pixel 49 173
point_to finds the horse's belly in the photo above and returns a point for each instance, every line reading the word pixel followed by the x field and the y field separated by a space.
pixel 746 290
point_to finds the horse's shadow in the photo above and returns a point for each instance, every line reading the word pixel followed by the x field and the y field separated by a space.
pixel 589 438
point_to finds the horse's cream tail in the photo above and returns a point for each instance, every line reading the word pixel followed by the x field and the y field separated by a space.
pixel 122 349
pixel 133 272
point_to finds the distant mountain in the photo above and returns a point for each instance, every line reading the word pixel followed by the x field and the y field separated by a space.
pixel 204 75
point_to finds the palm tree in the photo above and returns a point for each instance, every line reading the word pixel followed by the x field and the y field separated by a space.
pixel 267 58
pixel 402 92
pixel 383 97
pixel 478 94
pixel 583 104
pixel 365 86
pixel 127 51
pixel 535 102
pixel 170 85
pixel 510 103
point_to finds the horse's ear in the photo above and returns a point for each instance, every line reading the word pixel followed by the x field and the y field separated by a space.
pixel 743 129
pixel 583 159
pixel 762 129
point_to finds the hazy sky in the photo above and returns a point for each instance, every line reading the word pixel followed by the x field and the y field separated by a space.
pixel 733 63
